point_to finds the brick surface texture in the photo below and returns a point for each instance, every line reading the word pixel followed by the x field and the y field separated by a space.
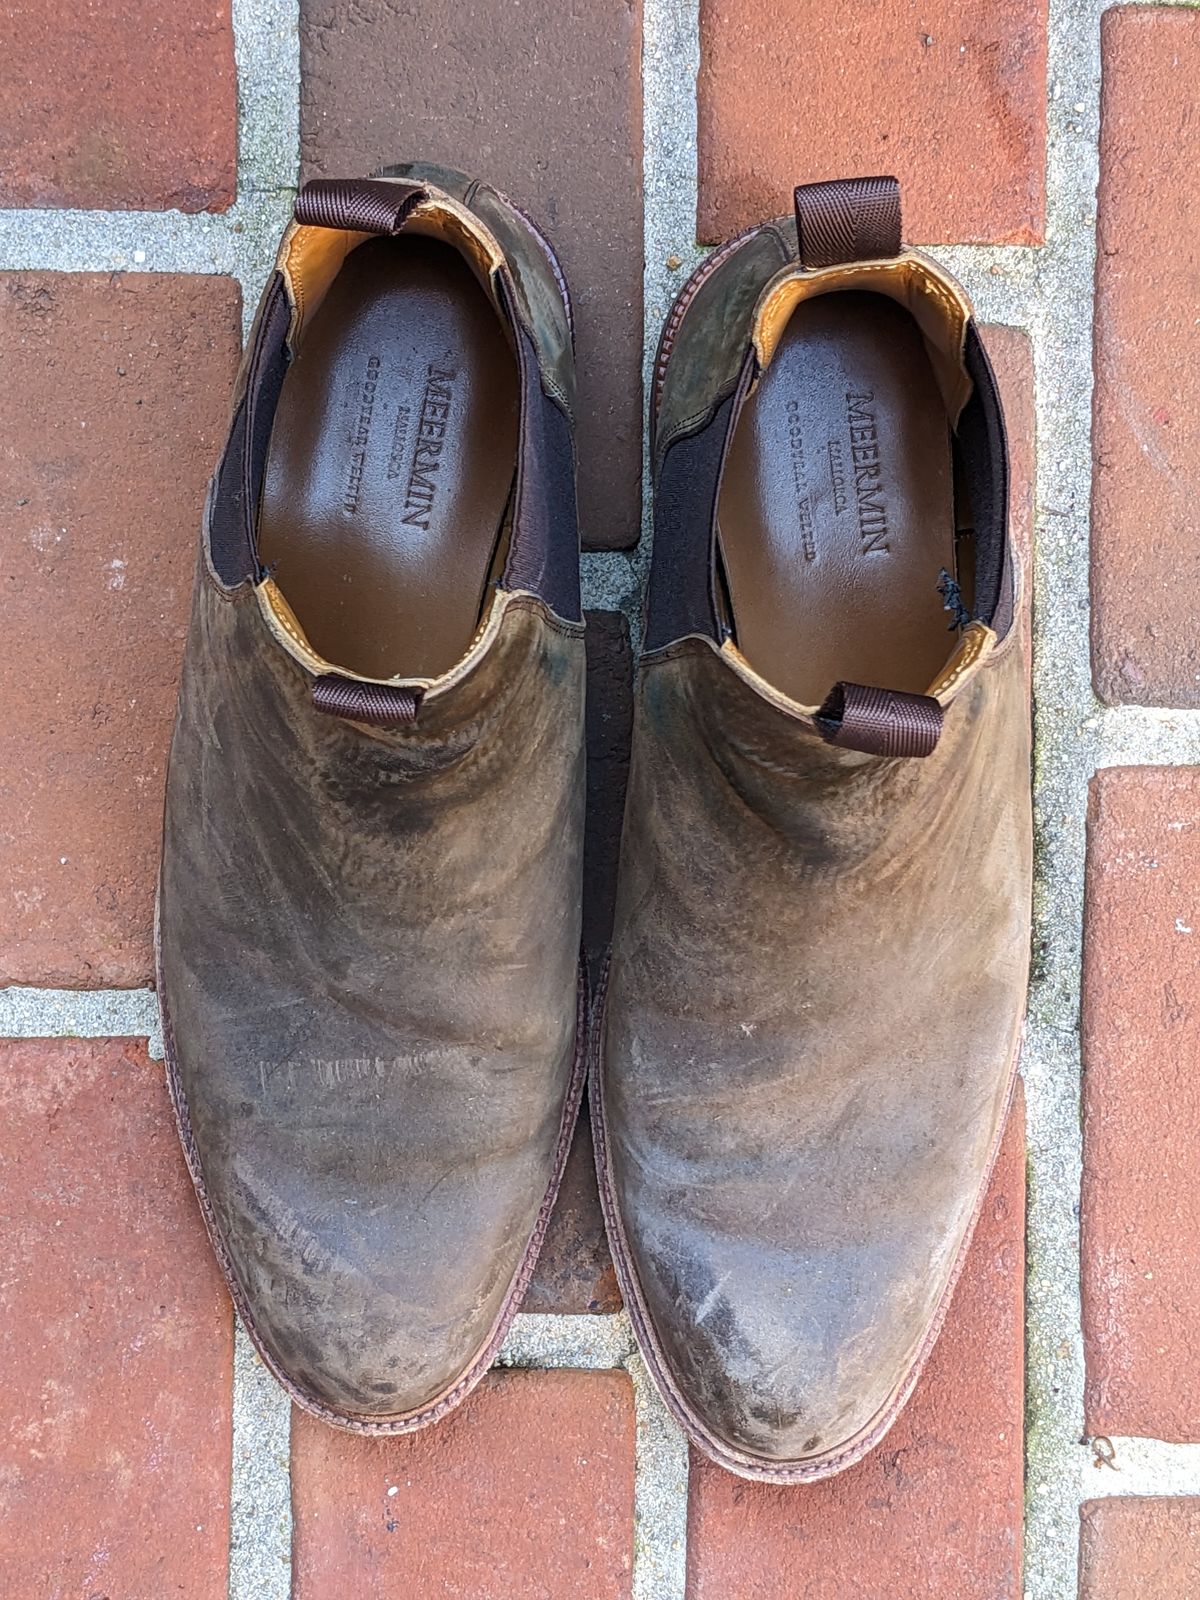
pixel 129 107
pixel 1145 522
pixel 115 1337
pixel 525 1492
pixel 542 100
pixel 950 98
pixel 935 1512
pixel 1140 1549
pixel 114 404
pixel 1141 1041
pixel 575 1271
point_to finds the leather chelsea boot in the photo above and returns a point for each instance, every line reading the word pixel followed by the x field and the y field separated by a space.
pixel 807 1046
pixel 369 905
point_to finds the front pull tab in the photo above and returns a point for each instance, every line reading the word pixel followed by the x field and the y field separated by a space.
pixel 847 219
pixel 880 722
pixel 380 705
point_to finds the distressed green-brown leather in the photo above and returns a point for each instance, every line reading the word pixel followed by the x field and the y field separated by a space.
pixel 368 966
pixel 815 994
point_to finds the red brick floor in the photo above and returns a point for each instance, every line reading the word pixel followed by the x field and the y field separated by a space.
pixel 115 401
pixel 1140 1548
pixel 115 1332
pixel 951 98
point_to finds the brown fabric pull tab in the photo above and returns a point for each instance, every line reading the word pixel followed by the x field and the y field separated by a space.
pixel 381 705
pixel 847 219
pixel 364 205
pixel 881 722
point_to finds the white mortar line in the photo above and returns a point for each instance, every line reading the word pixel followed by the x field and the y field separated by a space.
pixel 1131 736
pixel 660 1494
pixel 266 44
pixel 260 1506
pixel 540 1339
pixel 1061 326
pixel 27 1013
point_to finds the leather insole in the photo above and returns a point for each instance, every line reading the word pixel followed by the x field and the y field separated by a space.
pixel 836 512
pixel 391 461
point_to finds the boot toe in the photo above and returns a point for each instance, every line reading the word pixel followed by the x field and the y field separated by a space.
pixel 783 1365
pixel 375 1317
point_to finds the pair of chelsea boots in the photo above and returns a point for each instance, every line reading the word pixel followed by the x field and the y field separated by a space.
pixel 376 1023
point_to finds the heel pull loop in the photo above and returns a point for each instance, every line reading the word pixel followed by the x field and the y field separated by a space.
pixel 362 205
pixel 847 219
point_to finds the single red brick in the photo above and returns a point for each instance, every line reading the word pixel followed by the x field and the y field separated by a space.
pixel 526 1491
pixel 1145 526
pixel 115 1337
pixel 935 1512
pixel 1135 1548
pixel 951 99
pixel 1141 1103
pixel 544 101
pixel 114 404
pixel 129 107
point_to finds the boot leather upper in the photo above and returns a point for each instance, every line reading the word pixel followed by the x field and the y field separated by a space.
pixel 368 964
pixel 816 985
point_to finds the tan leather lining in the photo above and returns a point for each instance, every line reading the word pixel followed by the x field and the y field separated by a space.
pixel 439 217
pixel 974 647
pixel 937 304
pixel 310 258
pixel 973 651
pixel 285 626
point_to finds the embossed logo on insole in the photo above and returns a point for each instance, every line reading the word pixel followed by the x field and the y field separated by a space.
pixel 432 422
pixel 837 475
pixel 868 472
pixel 800 479
pixel 358 439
